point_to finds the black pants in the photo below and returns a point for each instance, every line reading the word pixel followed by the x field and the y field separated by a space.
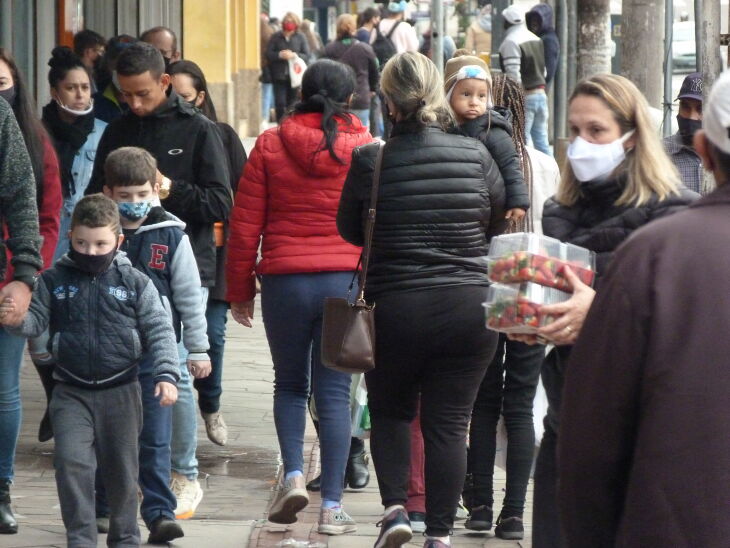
pixel 433 342
pixel 507 389
pixel 546 530
pixel 284 97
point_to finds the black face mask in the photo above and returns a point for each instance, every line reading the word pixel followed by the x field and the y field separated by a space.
pixel 687 129
pixel 93 264
pixel 9 95
pixel 168 62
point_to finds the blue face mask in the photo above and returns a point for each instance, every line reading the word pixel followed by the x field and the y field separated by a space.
pixel 134 211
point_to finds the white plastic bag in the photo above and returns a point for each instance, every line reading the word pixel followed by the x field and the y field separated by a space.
pixel 297 66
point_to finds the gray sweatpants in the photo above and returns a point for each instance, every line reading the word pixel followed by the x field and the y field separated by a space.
pixel 90 427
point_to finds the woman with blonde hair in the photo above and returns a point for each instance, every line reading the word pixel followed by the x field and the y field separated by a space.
pixel 441 199
pixel 617 178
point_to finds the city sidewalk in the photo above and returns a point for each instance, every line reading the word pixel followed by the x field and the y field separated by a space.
pixel 237 479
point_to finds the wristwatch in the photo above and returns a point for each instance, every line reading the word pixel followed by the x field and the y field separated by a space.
pixel 165 187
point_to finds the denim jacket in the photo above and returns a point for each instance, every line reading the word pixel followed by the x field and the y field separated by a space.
pixel 81 170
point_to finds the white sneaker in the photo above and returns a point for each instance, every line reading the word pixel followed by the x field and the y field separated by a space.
pixel 188 494
pixel 216 428
pixel 291 497
pixel 335 521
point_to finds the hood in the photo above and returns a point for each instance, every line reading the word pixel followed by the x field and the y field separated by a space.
pixel 168 109
pixel 497 117
pixel 485 22
pixel 159 218
pixel 303 139
pixel 120 259
pixel 542 14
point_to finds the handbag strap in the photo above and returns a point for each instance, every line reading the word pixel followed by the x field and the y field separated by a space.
pixel 370 223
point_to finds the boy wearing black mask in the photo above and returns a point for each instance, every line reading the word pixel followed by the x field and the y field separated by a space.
pixel 103 315
pixel 679 146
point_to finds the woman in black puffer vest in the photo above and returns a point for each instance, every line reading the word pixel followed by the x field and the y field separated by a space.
pixel 617 179
pixel 441 199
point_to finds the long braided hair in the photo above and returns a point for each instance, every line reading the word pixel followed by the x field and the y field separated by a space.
pixel 508 94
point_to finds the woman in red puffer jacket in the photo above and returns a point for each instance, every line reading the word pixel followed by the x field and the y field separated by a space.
pixel 287 201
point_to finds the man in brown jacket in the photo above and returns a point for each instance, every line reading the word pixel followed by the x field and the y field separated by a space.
pixel 644 456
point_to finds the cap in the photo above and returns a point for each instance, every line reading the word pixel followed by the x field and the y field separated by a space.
pixel 455 64
pixel 513 15
pixel 716 113
pixel 397 7
pixel 691 87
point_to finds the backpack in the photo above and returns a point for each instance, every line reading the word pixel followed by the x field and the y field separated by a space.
pixel 383 45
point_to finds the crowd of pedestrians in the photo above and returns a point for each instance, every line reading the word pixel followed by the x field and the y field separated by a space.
pixel 133 221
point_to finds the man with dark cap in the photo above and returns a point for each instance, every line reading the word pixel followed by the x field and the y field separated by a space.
pixel 679 146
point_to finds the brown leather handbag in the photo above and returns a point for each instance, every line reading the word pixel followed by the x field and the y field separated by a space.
pixel 348 329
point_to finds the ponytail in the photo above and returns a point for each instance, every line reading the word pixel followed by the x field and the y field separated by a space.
pixel 326 87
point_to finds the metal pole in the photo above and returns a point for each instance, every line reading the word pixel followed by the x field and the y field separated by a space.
pixel 698 35
pixel 572 44
pixel 497 29
pixel 437 34
pixel 668 67
pixel 561 77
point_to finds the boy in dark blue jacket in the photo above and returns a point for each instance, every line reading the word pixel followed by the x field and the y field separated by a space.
pixel 103 316
pixel 156 244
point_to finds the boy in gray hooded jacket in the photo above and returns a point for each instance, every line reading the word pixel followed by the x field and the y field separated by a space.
pixel 156 244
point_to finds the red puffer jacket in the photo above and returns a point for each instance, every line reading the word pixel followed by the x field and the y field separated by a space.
pixel 289 194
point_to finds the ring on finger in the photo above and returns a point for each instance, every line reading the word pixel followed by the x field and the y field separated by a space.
pixel 569 329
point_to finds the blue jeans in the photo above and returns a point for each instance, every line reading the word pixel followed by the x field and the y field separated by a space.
pixel 154 456
pixel 184 442
pixel 267 100
pixel 536 121
pixel 363 114
pixel 292 310
pixel 11 358
pixel 209 389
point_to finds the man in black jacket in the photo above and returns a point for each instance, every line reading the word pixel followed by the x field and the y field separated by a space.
pixel 187 146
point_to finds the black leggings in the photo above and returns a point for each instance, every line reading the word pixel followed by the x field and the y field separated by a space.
pixel 508 389
pixel 433 342
pixel 284 97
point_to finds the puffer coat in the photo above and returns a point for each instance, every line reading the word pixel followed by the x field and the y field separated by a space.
pixel 441 199
pixel 288 194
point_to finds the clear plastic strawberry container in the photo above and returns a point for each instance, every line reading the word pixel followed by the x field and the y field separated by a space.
pixel 516 308
pixel 524 257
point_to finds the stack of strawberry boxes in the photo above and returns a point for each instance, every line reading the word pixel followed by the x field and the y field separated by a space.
pixel 529 272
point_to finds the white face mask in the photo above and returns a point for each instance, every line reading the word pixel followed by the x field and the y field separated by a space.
pixel 593 162
pixel 76 112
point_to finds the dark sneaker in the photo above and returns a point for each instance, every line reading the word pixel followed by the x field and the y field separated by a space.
pixel 510 528
pixel 357 475
pixel 480 519
pixel 163 530
pixel 315 485
pixel 418 521
pixel 395 530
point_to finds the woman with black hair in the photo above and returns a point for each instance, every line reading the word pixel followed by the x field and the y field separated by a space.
pixel 69 118
pixel 188 81
pixel 48 197
pixel 288 196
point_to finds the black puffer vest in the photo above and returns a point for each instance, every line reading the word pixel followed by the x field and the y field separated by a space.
pixel 597 223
